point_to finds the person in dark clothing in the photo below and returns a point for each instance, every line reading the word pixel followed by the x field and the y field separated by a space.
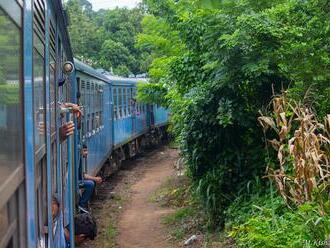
pixel 87 183
pixel 84 228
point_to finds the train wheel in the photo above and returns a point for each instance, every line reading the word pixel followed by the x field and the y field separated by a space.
pixel 107 169
pixel 141 144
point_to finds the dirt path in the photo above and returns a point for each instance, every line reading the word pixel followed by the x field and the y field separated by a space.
pixel 125 215
pixel 140 224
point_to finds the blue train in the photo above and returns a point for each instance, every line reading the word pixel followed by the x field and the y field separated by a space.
pixel 37 75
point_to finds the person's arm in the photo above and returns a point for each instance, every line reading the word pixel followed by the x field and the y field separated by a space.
pixel 96 179
pixel 66 130
pixel 75 108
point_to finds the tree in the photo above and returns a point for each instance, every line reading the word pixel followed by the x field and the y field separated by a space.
pixel 107 37
pixel 231 56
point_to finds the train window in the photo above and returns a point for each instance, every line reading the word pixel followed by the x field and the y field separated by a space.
pixel 82 93
pixel 93 121
pixel 87 99
pixel 115 102
pixel 41 201
pixel 127 100
pixel 87 124
pixel 52 99
pixel 97 120
pixel 52 71
pixel 92 91
pixel 54 167
pixel 39 85
pixel 11 151
pixel 83 104
pixel 120 102
pixel 124 102
pixel 101 98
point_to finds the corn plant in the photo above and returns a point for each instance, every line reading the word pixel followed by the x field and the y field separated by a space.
pixel 302 144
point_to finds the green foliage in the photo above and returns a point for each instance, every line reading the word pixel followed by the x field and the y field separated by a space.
pixel 151 93
pixel 221 62
pixel 266 222
pixel 106 38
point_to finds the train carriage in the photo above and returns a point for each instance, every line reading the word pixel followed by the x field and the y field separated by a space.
pixel 34 165
pixel 94 95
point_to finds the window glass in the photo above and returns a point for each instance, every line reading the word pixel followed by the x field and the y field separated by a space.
pixel 87 95
pixel 87 124
pixel 38 94
pixel 52 100
pixel 54 167
pixel 115 102
pixel 120 102
pixel 93 121
pixel 92 98
pixel 11 130
pixel 124 101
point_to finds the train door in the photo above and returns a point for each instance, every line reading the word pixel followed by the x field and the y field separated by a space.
pixel 12 168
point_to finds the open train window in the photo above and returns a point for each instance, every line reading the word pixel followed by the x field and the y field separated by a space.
pixel 52 73
pixel 124 101
pixel 120 102
pixel 127 100
pixel 87 98
pixel 12 219
pixel 87 123
pixel 41 202
pixel 115 103
pixel 93 122
pixel 92 98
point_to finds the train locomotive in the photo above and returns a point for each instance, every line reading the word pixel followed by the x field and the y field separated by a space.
pixel 38 73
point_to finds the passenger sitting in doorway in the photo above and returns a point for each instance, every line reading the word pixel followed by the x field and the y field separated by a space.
pixel 58 229
pixel 67 129
pixel 84 226
pixel 87 183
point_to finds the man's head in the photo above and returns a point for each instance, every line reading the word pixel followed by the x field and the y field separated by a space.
pixel 85 227
pixel 55 206
pixel 84 151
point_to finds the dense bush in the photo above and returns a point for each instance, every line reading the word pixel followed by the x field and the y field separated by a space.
pixel 265 221
pixel 233 56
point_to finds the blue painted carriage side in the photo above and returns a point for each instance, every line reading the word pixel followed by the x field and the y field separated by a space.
pixel 135 123
pixel 141 124
pixel 123 130
pixel 98 141
pixel 28 124
pixel 161 115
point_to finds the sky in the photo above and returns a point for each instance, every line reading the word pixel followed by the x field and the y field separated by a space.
pixel 111 4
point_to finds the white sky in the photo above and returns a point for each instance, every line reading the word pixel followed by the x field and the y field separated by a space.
pixel 111 4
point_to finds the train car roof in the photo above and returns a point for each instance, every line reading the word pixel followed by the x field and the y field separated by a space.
pixel 116 80
pixel 82 67
pixel 111 79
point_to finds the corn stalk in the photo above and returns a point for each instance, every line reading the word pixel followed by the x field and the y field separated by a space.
pixel 302 146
